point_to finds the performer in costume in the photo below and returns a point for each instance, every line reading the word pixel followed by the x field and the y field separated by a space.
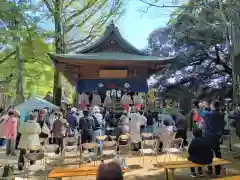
pixel 96 99
pixel 83 101
pixel 126 101
pixel 107 102
pixel 137 99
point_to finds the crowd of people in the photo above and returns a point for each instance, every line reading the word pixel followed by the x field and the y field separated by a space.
pixel 208 127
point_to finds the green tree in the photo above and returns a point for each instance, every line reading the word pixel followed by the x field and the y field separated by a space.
pixel 88 17
pixel 208 25
pixel 23 50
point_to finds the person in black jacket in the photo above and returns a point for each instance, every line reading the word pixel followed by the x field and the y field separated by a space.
pixel 86 128
pixel 150 122
pixel 213 129
pixel 200 152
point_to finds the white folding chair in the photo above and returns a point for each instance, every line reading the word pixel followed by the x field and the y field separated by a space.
pixel 189 140
pixel 124 145
pixel 50 155
pixel 36 170
pixel 109 148
pixel 226 145
pixel 89 151
pixel 149 146
pixel 70 145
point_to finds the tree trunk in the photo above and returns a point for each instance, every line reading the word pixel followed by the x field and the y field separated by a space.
pixel 59 39
pixel 236 80
pixel 235 56
pixel 20 62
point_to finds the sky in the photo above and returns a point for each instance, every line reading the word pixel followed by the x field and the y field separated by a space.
pixel 135 25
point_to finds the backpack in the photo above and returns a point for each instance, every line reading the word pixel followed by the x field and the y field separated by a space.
pixel 96 124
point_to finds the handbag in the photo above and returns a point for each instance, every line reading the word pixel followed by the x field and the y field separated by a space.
pixel 45 129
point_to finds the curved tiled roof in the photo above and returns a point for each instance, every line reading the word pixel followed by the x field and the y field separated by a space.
pixel 110 30
pixel 109 56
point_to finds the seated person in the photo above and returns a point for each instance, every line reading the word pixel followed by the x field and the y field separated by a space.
pixel 200 152
pixel 165 131
pixel 166 127
pixel 109 171
pixel 123 128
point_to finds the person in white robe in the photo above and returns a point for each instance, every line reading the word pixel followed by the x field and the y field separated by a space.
pixel 107 102
pixel 96 100
pixel 83 101
pixel 135 131
pixel 126 101
pixel 137 99
pixel 143 121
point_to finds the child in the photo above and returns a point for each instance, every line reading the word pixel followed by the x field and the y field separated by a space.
pixel 200 152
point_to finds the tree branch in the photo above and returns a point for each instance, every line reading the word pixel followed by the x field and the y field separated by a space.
pixel 165 6
pixel 48 6
pixel 77 13
pixel 7 57
pixel 220 62
pixel 87 18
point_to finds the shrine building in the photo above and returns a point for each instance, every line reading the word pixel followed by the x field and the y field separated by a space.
pixel 110 65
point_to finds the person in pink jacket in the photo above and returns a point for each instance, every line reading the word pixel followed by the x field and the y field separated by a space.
pixel 10 132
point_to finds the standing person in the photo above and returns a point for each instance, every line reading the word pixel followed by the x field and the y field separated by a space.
pixel 181 125
pixel 99 125
pixel 52 119
pixel 10 132
pixel 137 99
pixel 126 101
pixel 96 99
pixel 135 131
pixel 236 118
pixel 86 128
pixel 213 129
pixel 83 101
pixel 17 115
pixel 194 114
pixel 72 122
pixel 2 139
pixel 29 139
pixel 107 104
pixel 143 121
pixel 98 121
pixel 44 127
pixel 59 131
pixel 203 109
pixel 150 122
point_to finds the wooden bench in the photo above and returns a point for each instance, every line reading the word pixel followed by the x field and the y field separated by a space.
pixel 229 178
pixel 171 166
pixel 60 173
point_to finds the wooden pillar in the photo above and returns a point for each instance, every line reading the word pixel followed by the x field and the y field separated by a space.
pixel 146 103
pixel 158 102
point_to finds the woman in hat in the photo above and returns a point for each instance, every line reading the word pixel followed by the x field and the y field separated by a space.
pixel 59 129
pixel 29 139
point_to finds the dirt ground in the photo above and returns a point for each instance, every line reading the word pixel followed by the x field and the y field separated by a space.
pixel 149 171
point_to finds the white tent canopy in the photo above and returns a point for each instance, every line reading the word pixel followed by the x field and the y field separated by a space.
pixel 34 103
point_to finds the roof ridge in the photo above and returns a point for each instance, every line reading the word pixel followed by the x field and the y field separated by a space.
pixel 112 28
